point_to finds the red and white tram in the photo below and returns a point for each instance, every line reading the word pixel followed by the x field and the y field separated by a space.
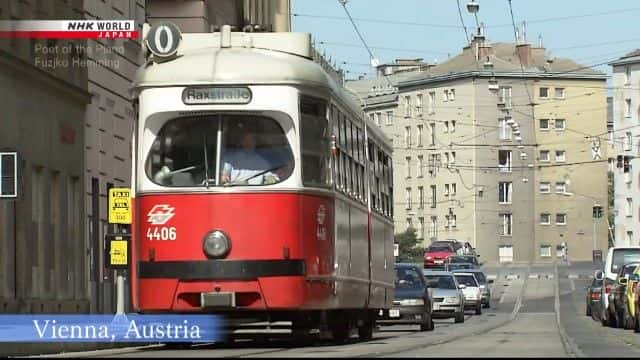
pixel 260 189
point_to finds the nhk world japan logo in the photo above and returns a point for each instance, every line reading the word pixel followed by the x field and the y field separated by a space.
pixel 68 29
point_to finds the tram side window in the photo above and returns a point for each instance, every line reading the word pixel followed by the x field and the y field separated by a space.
pixel 315 142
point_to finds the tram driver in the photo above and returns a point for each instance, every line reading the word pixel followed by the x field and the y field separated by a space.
pixel 246 165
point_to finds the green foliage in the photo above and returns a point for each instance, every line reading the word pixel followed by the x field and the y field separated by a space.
pixel 410 249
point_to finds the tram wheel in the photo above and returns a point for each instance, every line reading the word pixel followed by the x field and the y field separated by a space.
pixel 365 330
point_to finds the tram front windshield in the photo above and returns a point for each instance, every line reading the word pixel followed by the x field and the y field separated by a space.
pixel 220 150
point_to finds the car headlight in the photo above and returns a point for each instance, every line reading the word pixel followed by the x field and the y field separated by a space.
pixel 216 244
pixel 451 300
pixel 411 302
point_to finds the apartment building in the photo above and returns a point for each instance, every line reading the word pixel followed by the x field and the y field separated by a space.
pixel 467 151
pixel 626 140
pixel 43 253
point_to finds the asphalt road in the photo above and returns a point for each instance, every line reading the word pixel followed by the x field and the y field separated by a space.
pixel 537 311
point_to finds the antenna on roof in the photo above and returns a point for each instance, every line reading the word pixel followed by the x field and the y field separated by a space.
pixel 524 32
pixel 540 41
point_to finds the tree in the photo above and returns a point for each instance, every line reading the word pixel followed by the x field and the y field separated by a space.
pixel 409 249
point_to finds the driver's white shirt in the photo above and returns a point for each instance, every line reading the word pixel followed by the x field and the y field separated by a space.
pixel 241 165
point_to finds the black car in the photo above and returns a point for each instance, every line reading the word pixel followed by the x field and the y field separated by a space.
pixel 593 297
pixel 412 303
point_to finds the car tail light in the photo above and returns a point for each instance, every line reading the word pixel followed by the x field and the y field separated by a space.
pixel 607 288
pixel 595 296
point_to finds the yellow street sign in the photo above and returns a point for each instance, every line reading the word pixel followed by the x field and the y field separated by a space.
pixel 120 206
pixel 118 253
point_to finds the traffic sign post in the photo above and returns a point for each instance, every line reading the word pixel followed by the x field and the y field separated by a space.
pixel 117 245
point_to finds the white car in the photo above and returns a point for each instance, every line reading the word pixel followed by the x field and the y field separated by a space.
pixel 616 257
pixel 471 291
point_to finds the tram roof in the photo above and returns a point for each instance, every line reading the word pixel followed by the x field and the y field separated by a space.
pixel 249 58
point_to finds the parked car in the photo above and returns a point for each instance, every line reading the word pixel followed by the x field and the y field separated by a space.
pixel 447 295
pixel 593 297
pixel 466 259
pixel 412 303
pixel 458 266
pixel 437 254
pixel 620 295
pixel 472 292
pixel 635 300
pixel 616 257
pixel 481 278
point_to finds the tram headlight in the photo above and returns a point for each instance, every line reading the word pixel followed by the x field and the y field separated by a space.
pixel 216 244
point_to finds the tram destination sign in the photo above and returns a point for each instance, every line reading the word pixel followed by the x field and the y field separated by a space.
pixel 216 95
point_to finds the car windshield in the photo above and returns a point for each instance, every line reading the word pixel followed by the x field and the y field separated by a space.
pixel 624 256
pixel 408 278
pixel 480 277
pixel 442 281
pixel 439 248
pixel 219 150
pixel 628 270
pixel 460 266
pixel 467 280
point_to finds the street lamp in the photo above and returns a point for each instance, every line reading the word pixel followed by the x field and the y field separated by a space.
pixel 473 7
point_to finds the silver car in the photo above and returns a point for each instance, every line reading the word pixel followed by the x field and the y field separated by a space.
pixel 448 299
pixel 485 289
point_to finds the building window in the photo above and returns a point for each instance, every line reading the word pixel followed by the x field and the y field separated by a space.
pixel 433 227
pixel 561 219
pixel 627 108
pixel 561 187
pixel 627 75
pixel 544 155
pixel 506 223
pixel 561 156
pixel 389 117
pixel 408 165
pixel 420 197
pixel 545 219
pixel 446 160
pixel 544 124
pixel 545 250
pixel 560 124
pixel 453 126
pixel 379 118
pixel 419 172
pixel 545 187
pixel 420 228
pixel 432 100
pixel 504 160
pixel 446 189
pixel 419 135
pixel 446 127
pixel 454 189
pixel 409 223
pixel 628 141
pixel 408 197
pixel 452 95
pixel 407 106
pixel 505 131
pixel 453 220
pixel 407 137
pixel 372 116
pixel 419 104
pixel 504 192
pixel 432 134
pixel 433 196
pixel 445 95
pixel 544 92
pixel 505 96
pixel 453 157
pixel 629 207
pixel 559 93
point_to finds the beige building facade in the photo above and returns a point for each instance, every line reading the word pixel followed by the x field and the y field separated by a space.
pixel 467 144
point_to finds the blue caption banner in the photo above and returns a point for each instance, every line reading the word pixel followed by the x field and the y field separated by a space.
pixel 110 328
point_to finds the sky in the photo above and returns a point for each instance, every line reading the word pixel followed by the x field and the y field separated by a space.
pixel 589 31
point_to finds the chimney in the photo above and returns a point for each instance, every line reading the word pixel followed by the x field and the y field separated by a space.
pixel 524 54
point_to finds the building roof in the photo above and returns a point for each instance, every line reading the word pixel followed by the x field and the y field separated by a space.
pixel 632 57
pixel 504 62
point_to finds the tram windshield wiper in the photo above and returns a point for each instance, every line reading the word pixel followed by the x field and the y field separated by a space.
pixel 245 181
